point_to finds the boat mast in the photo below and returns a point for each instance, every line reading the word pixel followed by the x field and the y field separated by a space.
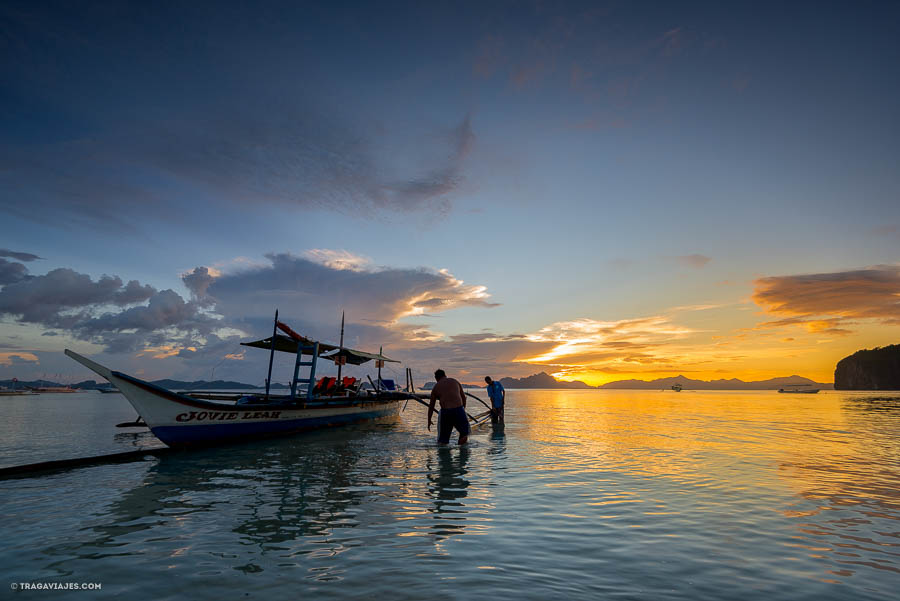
pixel 341 349
pixel 272 354
pixel 379 363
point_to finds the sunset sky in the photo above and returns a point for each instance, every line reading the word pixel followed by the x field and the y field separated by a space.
pixel 600 191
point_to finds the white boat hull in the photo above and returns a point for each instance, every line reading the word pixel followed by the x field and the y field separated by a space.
pixel 179 420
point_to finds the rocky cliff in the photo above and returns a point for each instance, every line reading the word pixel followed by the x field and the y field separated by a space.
pixel 875 369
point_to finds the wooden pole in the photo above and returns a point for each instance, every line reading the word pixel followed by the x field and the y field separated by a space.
pixel 272 355
pixel 341 349
pixel 380 353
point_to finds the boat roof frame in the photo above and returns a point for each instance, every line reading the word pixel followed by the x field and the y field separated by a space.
pixel 286 344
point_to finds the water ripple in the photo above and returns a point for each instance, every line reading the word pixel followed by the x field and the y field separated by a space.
pixel 586 494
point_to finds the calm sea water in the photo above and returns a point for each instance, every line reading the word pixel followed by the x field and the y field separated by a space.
pixel 583 495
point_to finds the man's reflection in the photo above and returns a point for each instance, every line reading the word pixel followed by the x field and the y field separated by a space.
pixel 448 486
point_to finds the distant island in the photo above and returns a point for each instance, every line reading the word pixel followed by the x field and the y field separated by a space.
pixel 729 384
pixel 213 385
pixel 546 381
pixel 869 369
pixel 166 383
pixel 430 385
pixel 542 380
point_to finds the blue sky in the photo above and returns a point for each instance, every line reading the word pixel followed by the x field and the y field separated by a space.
pixel 607 162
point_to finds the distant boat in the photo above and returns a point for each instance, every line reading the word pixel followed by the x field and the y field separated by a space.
pixel 798 389
pixel 110 390
pixel 14 391
pixel 676 387
pixel 54 389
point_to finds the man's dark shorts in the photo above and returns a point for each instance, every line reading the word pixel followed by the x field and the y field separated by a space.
pixel 449 419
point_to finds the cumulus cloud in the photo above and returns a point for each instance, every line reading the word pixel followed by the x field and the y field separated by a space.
pixel 198 280
pixel 106 310
pixel 133 292
pixel 302 286
pixel 824 302
pixel 165 309
pixel 11 272
pixel 47 298
pixel 225 307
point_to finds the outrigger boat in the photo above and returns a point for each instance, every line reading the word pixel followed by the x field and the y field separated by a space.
pixel 194 419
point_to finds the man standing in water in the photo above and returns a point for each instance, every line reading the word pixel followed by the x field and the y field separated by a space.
pixel 498 399
pixel 453 408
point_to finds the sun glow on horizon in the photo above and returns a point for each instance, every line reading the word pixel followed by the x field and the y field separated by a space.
pixel 646 349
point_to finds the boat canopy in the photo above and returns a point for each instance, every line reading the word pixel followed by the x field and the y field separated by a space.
pixel 287 344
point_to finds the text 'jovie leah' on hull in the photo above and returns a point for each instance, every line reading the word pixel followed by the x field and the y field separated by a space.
pixel 182 419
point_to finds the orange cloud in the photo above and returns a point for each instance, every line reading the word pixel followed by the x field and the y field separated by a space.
pixel 7 358
pixel 823 302
pixel 164 351
pixel 813 326
pixel 606 345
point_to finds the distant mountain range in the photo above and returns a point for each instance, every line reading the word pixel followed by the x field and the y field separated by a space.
pixel 540 380
pixel 731 384
pixel 545 380
pixel 213 385
pixel 170 384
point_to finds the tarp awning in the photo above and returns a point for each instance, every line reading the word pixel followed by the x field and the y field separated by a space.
pixel 286 344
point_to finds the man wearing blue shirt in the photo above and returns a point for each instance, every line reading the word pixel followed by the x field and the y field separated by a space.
pixel 498 399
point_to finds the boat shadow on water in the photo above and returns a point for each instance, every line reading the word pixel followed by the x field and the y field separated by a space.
pixel 269 492
pixel 265 496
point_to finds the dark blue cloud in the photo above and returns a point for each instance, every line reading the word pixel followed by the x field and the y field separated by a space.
pixel 19 256
pixel 124 111
pixel 11 272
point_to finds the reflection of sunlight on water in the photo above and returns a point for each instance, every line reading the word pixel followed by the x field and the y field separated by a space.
pixel 838 464
pixel 850 501
pixel 584 494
